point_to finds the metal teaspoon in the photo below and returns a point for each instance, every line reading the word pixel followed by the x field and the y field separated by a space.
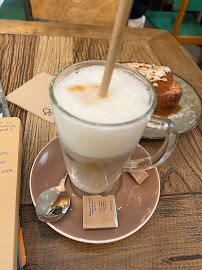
pixel 53 203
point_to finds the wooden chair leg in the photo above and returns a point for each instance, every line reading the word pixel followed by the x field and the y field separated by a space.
pixel 200 57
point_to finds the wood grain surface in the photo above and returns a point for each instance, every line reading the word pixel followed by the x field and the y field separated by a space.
pixel 172 237
pixel 72 30
pixel 170 240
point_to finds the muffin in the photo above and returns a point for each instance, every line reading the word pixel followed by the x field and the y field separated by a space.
pixel 168 92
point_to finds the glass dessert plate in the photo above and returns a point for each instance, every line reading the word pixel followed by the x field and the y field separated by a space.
pixel 188 116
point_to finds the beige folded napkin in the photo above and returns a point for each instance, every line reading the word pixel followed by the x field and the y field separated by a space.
pixel 33 96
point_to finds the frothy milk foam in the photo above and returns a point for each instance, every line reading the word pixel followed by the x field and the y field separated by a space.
pixel 127 100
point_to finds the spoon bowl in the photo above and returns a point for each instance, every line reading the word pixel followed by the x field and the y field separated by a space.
pixel 53 203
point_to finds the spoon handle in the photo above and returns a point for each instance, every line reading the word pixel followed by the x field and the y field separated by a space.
pixel 61 186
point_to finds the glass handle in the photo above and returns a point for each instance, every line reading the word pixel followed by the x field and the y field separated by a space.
pixel 157 123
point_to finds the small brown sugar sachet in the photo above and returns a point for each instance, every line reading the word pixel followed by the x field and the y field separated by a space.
pixel 139 176
pixel 99 212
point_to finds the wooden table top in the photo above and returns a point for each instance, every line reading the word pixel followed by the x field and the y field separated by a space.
pixel 171 239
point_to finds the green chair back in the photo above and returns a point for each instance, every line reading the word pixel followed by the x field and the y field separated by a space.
pixel 190 31
pixel 13 10
pixel 194 5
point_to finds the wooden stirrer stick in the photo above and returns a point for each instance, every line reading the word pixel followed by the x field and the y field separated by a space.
pixel 123 13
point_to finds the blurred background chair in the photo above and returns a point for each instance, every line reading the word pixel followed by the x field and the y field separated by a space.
pixel 180 22
pixel 12 9
pixel 103 12
pixel 97 12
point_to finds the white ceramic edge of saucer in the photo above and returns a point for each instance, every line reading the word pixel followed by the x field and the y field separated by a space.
pixel 91 241
pixel 30 189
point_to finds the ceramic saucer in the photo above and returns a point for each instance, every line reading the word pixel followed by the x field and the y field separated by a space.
pixel 135 203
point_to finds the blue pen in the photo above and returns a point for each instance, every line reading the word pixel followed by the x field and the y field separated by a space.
pixel 1 108
pixel 3 103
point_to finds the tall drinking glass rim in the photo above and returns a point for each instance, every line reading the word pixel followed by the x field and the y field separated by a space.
pixel 79 65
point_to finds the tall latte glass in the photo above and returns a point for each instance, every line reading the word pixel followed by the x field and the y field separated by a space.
pixel 99 135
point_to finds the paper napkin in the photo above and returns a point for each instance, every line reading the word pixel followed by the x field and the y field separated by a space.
pixel 33 96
